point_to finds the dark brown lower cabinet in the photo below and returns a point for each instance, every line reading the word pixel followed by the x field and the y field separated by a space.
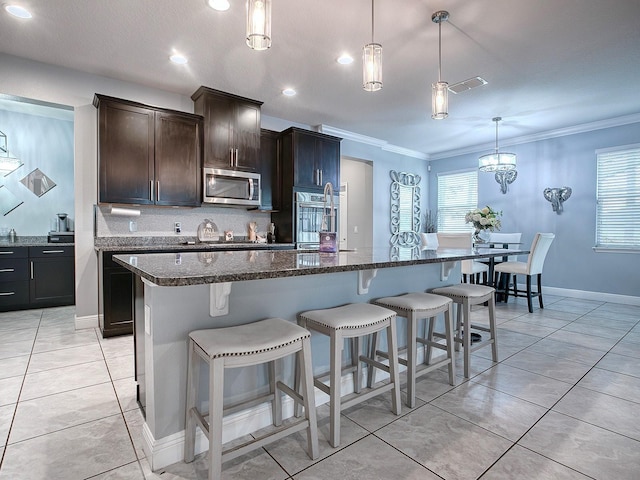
pixel 34 277
pixel 52 276
pixel 116 297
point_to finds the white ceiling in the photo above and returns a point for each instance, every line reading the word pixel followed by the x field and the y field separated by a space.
pixel 550 64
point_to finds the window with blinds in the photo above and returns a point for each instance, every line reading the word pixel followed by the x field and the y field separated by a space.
pixel 457 194
pixel 618 198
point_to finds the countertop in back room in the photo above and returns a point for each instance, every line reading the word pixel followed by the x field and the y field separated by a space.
pixel 31 241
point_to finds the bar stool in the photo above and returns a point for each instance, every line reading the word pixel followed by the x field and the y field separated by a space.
pixel 265 341
pixel 353 321
pixel 422 306
pixel 464 295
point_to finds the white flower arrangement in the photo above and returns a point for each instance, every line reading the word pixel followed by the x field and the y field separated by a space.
pixel 484 218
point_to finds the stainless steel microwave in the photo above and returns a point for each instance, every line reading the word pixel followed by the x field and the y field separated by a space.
pixel 231 187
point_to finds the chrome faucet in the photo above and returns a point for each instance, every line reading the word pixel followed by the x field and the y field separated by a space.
pixel 328 191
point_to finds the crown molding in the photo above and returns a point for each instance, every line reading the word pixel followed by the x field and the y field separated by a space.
pixel 536 137
pixel 375 142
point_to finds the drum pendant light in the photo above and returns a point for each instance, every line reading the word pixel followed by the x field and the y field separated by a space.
pixel 259 24
pixel 372 62
pixel 496 161
pixel 503 164
pixel 440 89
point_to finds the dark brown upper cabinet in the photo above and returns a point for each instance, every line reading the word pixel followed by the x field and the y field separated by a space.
pixel 232 129
pixel 312 158
pixel 270 170
pixel 148 155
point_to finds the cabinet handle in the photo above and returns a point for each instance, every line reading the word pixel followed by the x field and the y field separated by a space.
pixel 151 190
pixel 31 270
pixel 321 180
pixel 231 150
pixel 236 158
pixel 6 253
pixel 51 251
pixel 4 270
pixel 6 294
pixel 158 191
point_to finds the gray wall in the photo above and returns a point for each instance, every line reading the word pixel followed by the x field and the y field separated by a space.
pixel 43 143
pixel 566 160
pixel 383 162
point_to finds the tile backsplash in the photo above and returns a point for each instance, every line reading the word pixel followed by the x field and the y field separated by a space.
pixel 160 221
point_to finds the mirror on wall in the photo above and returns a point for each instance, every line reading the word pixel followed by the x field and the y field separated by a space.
pixel 405 209
pixel 8 201
pixel 38 183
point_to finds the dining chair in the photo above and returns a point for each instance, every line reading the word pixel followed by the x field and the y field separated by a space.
pixel 533 266
pixel 506 240
pixel 471 269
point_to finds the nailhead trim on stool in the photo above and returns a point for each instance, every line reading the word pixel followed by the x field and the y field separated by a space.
pixel 422 306
pixel 353 321
pixel 265 341
pixel 464 295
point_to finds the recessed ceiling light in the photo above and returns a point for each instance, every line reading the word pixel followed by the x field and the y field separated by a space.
pixel 220 5
pixel 18 11
pixel 345 59
pixel 289 92
pixel 179 59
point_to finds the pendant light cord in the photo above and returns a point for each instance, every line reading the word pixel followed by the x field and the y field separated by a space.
pixel 439 51
pixel 372 23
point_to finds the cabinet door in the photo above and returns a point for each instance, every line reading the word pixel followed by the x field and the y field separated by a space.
pixel 118 301
pixel 269 170
pixel 178 160
pixel 219 115
pixel 304 158
pixel 329 162
pixel 246 136
pixel 52 281
pixel 125 154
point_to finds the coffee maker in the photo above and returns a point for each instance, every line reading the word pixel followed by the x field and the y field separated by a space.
pixel 63 222
pixel 60 230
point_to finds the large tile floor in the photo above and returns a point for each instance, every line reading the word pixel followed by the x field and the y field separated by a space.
pixel 562 403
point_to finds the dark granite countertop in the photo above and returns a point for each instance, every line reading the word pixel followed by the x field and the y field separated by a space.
pixel 31 241
pixel 191 268
pixel 179 243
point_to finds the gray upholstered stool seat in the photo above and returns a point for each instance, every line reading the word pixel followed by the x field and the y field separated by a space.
pixel 422 306
pixel 464 295
pixel 353 321
pixel 265 341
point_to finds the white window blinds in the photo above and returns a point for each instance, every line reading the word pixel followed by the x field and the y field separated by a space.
pixel 457 194
pixel 618 198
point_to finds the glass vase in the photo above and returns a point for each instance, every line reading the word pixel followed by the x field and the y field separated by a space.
pixel 480 236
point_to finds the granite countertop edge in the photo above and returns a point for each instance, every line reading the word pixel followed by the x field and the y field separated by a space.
pixel 347 262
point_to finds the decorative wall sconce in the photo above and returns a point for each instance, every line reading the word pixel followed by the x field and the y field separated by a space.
pixel 505 178
pixel 557 196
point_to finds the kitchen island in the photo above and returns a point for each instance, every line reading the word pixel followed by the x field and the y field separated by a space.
pixel 180 292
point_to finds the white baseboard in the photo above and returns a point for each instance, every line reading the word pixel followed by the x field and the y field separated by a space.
pixel 89 321
pixel 587 295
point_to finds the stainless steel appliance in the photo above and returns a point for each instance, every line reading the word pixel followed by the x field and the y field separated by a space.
pixel 231 187
pixel 63 223
pixel 309 214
